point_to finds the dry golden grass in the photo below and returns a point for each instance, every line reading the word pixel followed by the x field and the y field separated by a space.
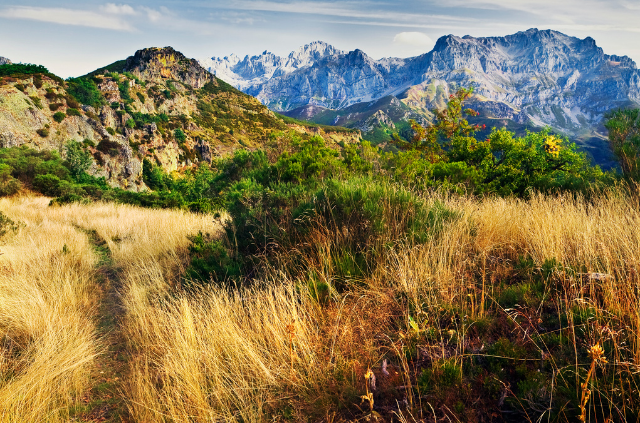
pixel 275 350
pixel 49 294
pixel 47 304
pixel 227 354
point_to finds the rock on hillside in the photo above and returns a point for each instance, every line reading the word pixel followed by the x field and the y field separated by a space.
pixel 156 105
pixel 161 64
pixel 4 61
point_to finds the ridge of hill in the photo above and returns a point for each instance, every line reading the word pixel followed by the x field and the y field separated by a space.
pixel 157 105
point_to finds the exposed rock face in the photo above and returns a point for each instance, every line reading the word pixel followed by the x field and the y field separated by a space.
pixel 256 70
pixel 162 64
pixel 379 118
pixel 535 77
pixel 4 61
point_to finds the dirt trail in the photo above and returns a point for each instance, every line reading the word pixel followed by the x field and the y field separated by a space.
pixel 104 402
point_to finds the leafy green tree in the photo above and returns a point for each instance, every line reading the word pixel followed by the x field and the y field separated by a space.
pixel 85 91
pixel 624 138
pixel 78 160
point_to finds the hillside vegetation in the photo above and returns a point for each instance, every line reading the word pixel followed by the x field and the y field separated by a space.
pixel 460 279
pixel 157 105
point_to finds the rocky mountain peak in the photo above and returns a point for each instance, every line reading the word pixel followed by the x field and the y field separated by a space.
pixel 313 51
pixel 254 70
pixel 4 61
pixel 161 64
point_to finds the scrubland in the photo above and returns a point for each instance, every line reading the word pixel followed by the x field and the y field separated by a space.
pixel 496 315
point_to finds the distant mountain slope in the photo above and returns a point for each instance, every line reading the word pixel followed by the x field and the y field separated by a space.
pixel 256 70
pixel 533 78
pixel 4 61
pixel 156 105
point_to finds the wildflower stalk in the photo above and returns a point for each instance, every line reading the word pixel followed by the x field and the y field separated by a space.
pixel 597 356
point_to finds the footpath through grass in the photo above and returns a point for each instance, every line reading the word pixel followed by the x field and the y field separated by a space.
pixel 104 402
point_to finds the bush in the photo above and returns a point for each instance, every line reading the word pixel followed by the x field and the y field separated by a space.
pixel 36 101
pixel 43 132
pixel 210 260
pixel 59 116
pixel 48 185
pixel 8 184
pixel 22 69
pixel 72 102
pixel 78 161
pixel 73 112
pixel 7 225
pixel 180 135
pixel 85 91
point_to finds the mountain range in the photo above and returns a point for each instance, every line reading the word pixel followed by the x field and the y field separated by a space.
pixel 530 79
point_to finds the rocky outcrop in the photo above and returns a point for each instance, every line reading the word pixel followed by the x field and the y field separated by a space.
pixel 378 119
pixel 163 64
pixel 4 61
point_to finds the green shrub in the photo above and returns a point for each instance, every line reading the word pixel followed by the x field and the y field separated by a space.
pixel 72 102
pixel 73 112
pixel 78 160
pixel 36 101
pixel 85 91
pixel 22 68
pixel 179 135
pixel 8 184
pixel 131 123
pixel 55 106
pixel 7 225
pixel 49 185
pixel 123 87
pixel 43 132
pixel 210 260
pixel 59 116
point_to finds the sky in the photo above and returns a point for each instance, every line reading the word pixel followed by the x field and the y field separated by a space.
pixel 74 37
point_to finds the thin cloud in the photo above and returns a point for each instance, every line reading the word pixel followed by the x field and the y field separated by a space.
pixel 63 16
pixel 342 9
pixel 414 39
pixel 118 9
